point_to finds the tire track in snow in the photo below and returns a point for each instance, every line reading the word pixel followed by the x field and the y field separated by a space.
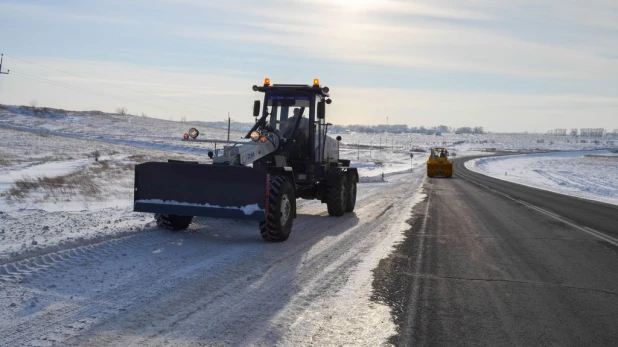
pixel 327 268
pixel 209 276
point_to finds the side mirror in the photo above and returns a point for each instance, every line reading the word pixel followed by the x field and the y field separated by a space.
pixel 338 138
pixel 210 154
pixel 321 110
pixel 256 108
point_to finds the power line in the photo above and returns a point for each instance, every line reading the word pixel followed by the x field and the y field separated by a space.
pixel 1 59
pixel 81 89
pixel 115 85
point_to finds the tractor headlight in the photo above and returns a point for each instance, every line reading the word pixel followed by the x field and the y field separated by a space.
pixel 193 133
pixel 255 135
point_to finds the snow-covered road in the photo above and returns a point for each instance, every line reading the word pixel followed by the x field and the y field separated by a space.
pixel 218 283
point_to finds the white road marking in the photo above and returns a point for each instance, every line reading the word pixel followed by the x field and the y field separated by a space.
pixel 587 230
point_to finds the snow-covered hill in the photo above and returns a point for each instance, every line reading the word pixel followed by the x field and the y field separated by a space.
pixel 107 127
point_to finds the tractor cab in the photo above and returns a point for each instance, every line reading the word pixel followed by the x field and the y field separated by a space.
pixel 282 110
pixel 297 113
pixel 440 154
pixel 438 164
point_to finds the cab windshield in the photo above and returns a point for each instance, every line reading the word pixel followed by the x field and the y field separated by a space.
pixel 280 107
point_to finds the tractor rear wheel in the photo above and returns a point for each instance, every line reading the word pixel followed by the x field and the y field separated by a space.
pixel 351 187
pixel 337 197
pixel 281 210
pixel 173 222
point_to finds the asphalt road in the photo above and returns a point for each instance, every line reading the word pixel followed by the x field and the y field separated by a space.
pixel 490 263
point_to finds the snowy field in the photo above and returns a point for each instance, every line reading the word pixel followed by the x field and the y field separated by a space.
pixel 588 174
pixel 465 143
pixel 129 130
pixel 49 176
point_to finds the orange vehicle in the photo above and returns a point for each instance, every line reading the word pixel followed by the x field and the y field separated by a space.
pixel 438 164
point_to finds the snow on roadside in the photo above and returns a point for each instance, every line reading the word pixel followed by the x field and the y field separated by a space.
pixel 31 232
pixel 352 309
pixel 8 175
pixel 586 174
pixel 58 213
pixel 387 162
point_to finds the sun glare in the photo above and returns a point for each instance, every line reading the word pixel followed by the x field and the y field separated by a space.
pixel 357 4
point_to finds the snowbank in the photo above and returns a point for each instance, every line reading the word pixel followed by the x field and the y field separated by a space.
pixel 586 174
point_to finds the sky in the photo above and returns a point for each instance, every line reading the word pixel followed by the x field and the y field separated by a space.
pixel 505 65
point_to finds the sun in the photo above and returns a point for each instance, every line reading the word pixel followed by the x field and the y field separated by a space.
pixel 357 4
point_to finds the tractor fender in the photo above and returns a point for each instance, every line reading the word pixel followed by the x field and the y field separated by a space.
pixel 352 173
pixel 287 172
pixel 334 175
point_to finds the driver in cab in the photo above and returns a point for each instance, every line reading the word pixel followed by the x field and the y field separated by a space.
pixel 302 135
pixel 287 125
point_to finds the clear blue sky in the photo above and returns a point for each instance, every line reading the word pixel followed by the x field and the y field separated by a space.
pixel 503 64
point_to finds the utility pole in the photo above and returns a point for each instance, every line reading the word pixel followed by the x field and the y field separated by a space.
pixel 228 126
pixel 411 160
pixel 3 73
pixel 370 145
pixel 358 149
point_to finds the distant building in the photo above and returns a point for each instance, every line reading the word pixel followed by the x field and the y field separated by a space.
pixel 557 132
pixel 592 132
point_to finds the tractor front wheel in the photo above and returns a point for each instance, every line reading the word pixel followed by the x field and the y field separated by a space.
pixel 281 210
pixel 337 197
pixel 173 222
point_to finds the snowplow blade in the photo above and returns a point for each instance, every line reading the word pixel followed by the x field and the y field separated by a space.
pixel 191 189
pixel 439 169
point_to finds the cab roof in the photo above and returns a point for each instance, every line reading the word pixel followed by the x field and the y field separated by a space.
pixel 291 88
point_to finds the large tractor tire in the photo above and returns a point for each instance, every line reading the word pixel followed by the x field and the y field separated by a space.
pixel 337 197
pixel 351 187
pixel 281 210
pixel 173 222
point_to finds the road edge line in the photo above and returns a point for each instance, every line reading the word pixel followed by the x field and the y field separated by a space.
pixel 585 229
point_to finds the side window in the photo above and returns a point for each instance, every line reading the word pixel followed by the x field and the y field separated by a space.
pixel 285 114
pixel 272 113
pixel 303 112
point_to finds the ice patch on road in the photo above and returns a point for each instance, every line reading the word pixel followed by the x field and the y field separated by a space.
pixel 247 210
